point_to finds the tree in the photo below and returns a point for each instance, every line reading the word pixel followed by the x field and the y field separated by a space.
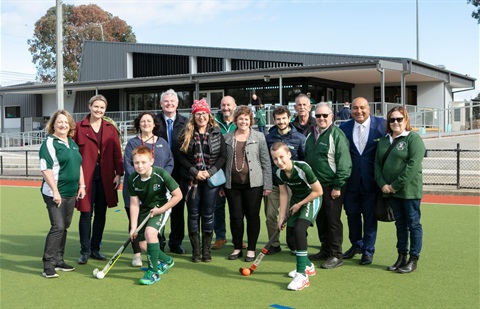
pixel 476 13
pixel 80 23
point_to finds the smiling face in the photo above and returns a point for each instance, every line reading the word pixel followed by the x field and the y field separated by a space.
pixel 201 119
pixel 323 117
pixel 147 124
pixel 243 122
pixel 228 107
pixel 396 127
pixel 282 158
pixel 97 109
pixel 61 126
pixel 360 110
pixel 282 121
pixel 169 105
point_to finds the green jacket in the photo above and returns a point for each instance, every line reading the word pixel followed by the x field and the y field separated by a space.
pixel 261 117
pixel 403 167
pixel 224 127
pixel 329 157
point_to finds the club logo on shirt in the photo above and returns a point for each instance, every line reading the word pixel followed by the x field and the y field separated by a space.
pixel 401 146
pixel 156 187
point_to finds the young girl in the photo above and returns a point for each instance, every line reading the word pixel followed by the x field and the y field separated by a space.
pixel 303 207
pixel 148 187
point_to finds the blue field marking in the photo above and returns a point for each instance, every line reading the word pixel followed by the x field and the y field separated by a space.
pixel 280 306
pixel 118 210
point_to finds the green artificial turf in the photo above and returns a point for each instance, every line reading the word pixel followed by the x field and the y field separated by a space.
pixel 447 274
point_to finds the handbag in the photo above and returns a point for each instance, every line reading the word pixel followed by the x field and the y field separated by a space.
pixel 383 209
pixel 217 179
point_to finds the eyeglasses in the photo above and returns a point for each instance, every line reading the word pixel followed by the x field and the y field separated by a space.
pixel 392 120
pixel 198 115
pixel 322 115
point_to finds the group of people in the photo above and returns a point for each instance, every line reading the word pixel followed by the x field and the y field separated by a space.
pixel 305 170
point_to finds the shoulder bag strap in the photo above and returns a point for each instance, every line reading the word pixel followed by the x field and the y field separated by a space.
pixel 395 141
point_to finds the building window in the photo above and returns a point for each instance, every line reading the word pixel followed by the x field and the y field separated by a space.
pixel 12 111
pixel 392 95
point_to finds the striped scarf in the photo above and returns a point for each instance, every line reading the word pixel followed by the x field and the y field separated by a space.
pixel 201 158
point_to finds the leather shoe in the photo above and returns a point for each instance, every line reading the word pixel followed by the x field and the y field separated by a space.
pixel 332 262
pixel 83 259
pixel 366 260
pixel 249 258
pixel 350 253
pixel 177 249
pixel 97 256
pixel 322 255
pixel 411 266
pixel 401 261
pixel 218 244
pixel 274 250
pixel 235 256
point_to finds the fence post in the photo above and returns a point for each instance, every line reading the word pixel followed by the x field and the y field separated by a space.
pixel 458 166
pixel 26 162
pixel 1 164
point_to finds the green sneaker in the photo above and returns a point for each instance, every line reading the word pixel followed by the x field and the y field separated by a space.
pixel 150 277
pixel 163 267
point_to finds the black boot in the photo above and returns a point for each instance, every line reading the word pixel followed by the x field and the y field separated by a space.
pixel 401 261
pixel 195 241
pixel 206 243
pixel 411 266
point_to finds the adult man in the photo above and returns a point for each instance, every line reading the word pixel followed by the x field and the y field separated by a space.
pixel 344 113
pixel 304 123
pixel 224 120
pixel 170 125
pixel 284 132
pixel 363 132
pixel 327 152
pixel 256 100
pixel 261 118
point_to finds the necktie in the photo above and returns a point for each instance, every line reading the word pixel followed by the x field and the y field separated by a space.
pixel 170 131
pixel 361 138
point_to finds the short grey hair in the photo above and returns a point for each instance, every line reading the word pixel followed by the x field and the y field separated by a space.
pixel 169 93
pixel 322 104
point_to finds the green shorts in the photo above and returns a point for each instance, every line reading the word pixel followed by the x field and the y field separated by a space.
pixel 157 222
pixel 307 212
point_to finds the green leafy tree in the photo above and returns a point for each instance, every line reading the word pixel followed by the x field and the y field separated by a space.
pixel 80 23
pixel 476 12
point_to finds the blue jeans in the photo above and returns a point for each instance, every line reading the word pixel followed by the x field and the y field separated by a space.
pixel 219 218
pixel 200 208
pixel 60 219
pixel 407 220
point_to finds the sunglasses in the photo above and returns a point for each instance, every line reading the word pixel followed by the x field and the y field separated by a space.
pixel 392 120
pixel 322 115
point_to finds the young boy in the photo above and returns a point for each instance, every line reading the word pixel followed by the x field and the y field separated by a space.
pixel 303 207
pixel 148 187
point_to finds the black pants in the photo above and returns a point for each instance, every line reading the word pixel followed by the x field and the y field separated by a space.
pixel 329 223
pixel 244 201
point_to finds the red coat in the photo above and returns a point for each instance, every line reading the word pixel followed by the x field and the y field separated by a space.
pixel 111 160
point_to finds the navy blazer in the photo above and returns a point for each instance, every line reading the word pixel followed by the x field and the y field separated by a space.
pixel 363 164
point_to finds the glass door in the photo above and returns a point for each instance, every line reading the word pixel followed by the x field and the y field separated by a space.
pixel 213 97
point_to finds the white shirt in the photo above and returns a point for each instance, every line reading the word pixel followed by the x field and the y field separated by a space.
pixel 356 132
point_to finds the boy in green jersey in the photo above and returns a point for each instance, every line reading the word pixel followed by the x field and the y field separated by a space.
pixel 148 187
pixel 303 208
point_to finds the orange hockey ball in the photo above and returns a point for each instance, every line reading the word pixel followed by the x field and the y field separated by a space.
pixel 246 272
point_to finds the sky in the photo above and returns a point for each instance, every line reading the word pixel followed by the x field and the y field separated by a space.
pixel 448 35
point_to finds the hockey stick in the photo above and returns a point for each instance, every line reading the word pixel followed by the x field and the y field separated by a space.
pixel 101 274
pixel 247 271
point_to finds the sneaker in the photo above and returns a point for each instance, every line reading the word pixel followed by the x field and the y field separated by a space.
pixel 299 282
pixel 64 267
pixel 309 271
pixel 150 277
pixel 50 273
pixel 137 261
pixel 163 267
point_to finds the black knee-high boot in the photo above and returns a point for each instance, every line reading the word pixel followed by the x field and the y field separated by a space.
pixel 206 243
pixel 195 241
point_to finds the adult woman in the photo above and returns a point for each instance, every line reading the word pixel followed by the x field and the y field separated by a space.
pixel 249 177
pixel 145 124
pixel 399 176
pixel 61 166
pixel 99 145
pixel 202 154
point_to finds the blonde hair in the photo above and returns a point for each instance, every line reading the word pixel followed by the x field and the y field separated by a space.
pixel 51 123
pixel 98 97
pixel 187 132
